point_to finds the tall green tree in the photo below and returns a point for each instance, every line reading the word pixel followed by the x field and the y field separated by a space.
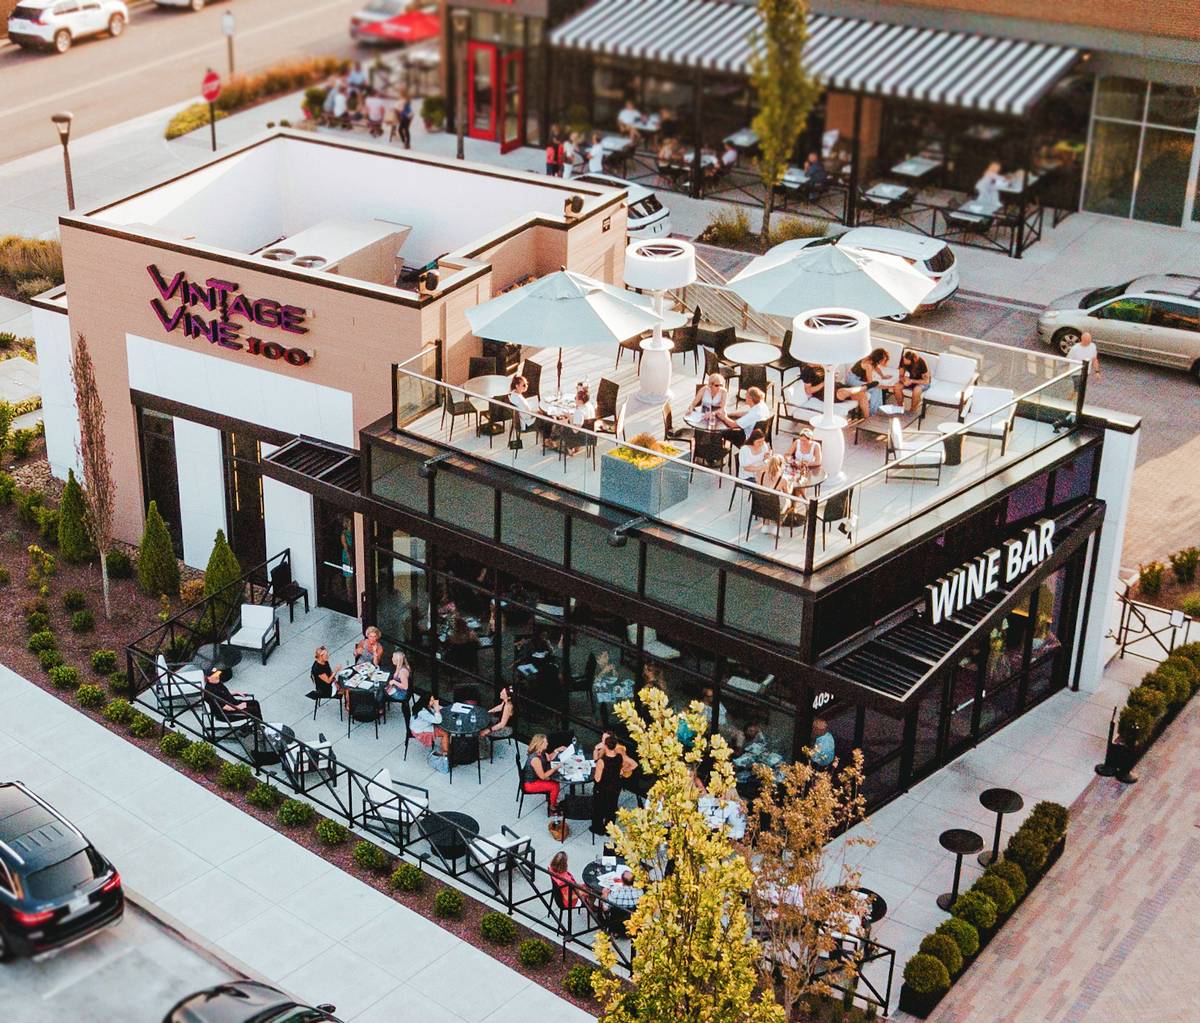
pixel 74 543
pixel 785 92
pixel 222 571
pixel 157 569
pixel 694 960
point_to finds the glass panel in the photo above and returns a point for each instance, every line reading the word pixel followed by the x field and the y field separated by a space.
pixel 591 554
pixel 1124 98
pixel 963 689
pixel 1175 315
pixel 762 610
pixel 483 69
pixel 679 581
pixel 532 527
pixel 1047 649
pixel 882 738
pixel 395 476
pixel 603 673
pixel 1073 481
pixel 1006 644
pixel 513 74
pixel 999 706
pixel 401 599
pixel 463 503
pixel 1028 500
pixel 1110 168
pixel 612 85
pixel 161 472
pixel 1162 184
pixel 1128 310
pixel 1176 105
pixel 929 716
pixel 333 534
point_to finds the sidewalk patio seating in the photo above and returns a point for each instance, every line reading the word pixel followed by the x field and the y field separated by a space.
pixel 999 425
pixel 386 807
pixel 259 630
pixel 500 854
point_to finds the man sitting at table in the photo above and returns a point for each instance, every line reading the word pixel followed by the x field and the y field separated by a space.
pixel 627 118
pixel 815 175
pixel 621 895
pixel 738 430
pixel 228 705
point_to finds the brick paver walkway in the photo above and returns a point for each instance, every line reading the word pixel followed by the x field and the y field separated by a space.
pixel 1113 933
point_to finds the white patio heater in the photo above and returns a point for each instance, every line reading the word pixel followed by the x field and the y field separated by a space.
pixel 658 266
pixel 831 338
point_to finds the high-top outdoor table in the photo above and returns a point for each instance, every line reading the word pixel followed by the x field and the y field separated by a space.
pixel 877 906
pixel 1000 802
pixel 962 843
pixel 462 726
pixel 751 353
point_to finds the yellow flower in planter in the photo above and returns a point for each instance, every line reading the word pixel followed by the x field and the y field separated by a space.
pixel 640 459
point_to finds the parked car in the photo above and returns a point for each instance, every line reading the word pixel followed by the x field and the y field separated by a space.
pixel 371 12
pixel 1155 319
pixel 648 217
pixel 56 24
pixel 195 5
pixel 246 1001
pixel 55 888
pixel 931 256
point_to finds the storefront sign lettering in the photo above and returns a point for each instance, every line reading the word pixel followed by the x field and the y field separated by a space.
pixel 234 313
pixel 985 574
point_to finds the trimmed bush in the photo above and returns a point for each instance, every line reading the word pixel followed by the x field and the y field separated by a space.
pixel 1134 726
pixel 142 726
pixel 157 569
pixel 8 489
pixel 220 576
pixel 926 974
pixel 118 564
pixel 370 857
pixel 118 711
pixel 42 640
pixel 498 928
pixel 35 605
pixel 63 676
pixel 190 119
pixel 1184 563
pixel 1028 850
pixel 74 600
pixel 1011 875
pixel 1152 701
pixel 977 909
pixel 74 543
pixel 578 980
pixel 191 591
pixel 172 744
pixel 104 662
pixel 448 903
pixel 331 832
pixel 264 796
pixel 1173 683
pixel 407 877
pixel 28 503
pixel 21 441
pixel 964 935
pixel 996 889
pixel 294 814
pixel 89 695
pixel 533 953
pixel 49 659
pixel 37 621
pixel 47 525
pixel 945 948
pixel 82 621
pixel 1150 578
pixel 200 756
pixel 236 776
pixel 118 682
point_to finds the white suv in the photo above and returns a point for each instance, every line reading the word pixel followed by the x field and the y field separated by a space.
pixel 58 23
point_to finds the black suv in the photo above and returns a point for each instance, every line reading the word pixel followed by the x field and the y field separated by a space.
pixel 55 888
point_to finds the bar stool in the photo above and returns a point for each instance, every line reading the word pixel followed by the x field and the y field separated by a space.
pixel 962 843
pixel 999 802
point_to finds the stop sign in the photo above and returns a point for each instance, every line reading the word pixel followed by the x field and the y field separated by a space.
pixel 210 88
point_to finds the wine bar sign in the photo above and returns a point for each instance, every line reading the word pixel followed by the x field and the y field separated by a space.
pixel 218 312
pixel 986 573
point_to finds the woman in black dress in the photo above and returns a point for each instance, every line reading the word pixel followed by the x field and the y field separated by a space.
pixel 613 764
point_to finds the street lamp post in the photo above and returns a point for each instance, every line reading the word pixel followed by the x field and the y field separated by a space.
pixel 461 20
pixel 228 26
pixel 62 121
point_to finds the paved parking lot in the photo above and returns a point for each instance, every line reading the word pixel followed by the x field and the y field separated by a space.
pixel 133 972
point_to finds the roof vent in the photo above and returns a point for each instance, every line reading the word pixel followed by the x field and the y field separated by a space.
pixel 279 255
pixel 310 262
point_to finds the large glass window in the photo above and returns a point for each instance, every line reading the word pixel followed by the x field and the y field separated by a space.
pixel 532 527
pixel 462 502
pixel 762 610
pixel 680 581
pixel 395 476
pixel 593 555
pixel 160 471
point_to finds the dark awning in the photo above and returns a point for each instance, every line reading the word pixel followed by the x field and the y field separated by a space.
pixel 305 460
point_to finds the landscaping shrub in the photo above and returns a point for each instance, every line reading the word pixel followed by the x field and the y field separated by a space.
pixel 104 662
pixel 47 524
pixel 370 857
pixel 996 889
pixel 49 659
pixel 1051 819
pixel 173 743
pixel 314 101
pixel 1183 565
pixel 294 814
pixel 63 676
pixel 220 576
pixel 965 936
pixel 1189 652
pixel 407 877
pixel 189 119
pixel 236 776
pixel 119 711
pixel 1134 726
pixel 1011 875
pixel 1150 699
pixel 785 229
pixel 1174 685
pixel 1183 674
pixel 578 980
pixel 21 441
pixel 977 909
pixel 34 606
pixel 448 903
pixel 1190 604
pixel 5 575
pixel 41 568
pixel 1028 850
pixel 433 112
pixel 8 488
pixel 42 640
pixel 533 953
pixel 74 600
pixel 90 696
pixel 331 832
pixel 118 564
pixel 142 726
pixel 158 571
pixel 74 542
pixel 118 682
pixel 1150 578
pixel 200 756
pixel 82 621
pixel 24 259
pixel 27 504
pixel 191 591
pixel 264 796
pixel 726 227
pixel 926 974
pixel 945 948
pixel 38 621
pixel 498 928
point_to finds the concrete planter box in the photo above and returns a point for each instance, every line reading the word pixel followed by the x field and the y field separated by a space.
pixel 643 490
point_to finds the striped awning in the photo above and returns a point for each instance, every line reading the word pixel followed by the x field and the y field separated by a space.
pixel 961 69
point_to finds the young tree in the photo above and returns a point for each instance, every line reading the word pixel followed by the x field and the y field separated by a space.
pixel 222 571
pixel 98 494
pixel 157 569
pixel 74 543
pixel 694 960
pixel 785 91
pixel 7 415
pixel 799 896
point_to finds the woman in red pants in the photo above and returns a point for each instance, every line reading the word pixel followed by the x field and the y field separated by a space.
pixel 538 773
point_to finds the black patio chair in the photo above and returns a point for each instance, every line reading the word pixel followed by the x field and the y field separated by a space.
pixel 710 450
pixel 835 509
pixel 686 340
pixel 713 364
pixel 521 793
pixel 285 590
pixel 753 376
pixel 785 363
pixel 322 691
pixel 499 412
pixel 606 406
pixel 634 345
pixel 363 707
pixel 478 366
pixel 532 372
pixel 768 508
pixel 457 410
pixel 684 435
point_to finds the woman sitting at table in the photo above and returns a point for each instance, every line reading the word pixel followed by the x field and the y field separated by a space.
pixel 369 649
pixel 540 768
pixel 867 371
pixel 501 715
pixel 806 450
pixel 711 397
pixel 399 683
pixel 425 728
pixel 570 892
pixel 526 406
pixel 914 374
pixel 987 188
pixel 229 705
pixel 752 457
pixel 774 477
pixel 323 674
pixel 612 765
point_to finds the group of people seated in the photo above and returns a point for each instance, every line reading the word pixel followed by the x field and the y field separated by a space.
pixel 869 380
pixel 352 100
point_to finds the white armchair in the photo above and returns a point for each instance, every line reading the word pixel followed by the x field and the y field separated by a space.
pixel 384 805
pixel 951 382
pixel 178 688
pixel 651 643
pixel 500 854
pixel 259 630
pixel 906 450
pixel 991 402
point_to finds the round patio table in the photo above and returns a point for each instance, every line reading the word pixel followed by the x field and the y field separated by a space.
pixel 492 385
pixel 750 353
pixel 576 805
pixel 450 842
pixel 877 906
pixel 1000 802
pixel 962 843
pixel 596 869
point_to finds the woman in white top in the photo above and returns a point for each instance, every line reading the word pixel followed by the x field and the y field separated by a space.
pixel 711 398
pixel 752 457
pixel 584 409
pixel 596 154
pixel 987 188
pixel 806 450
pixel 570 150
pixel 773 478
pixel 424 726
pixel 516 398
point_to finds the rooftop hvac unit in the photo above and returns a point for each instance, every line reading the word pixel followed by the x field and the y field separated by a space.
pixel 279 254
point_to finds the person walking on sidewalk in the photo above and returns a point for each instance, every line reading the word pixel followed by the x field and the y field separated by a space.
pixel 1084 350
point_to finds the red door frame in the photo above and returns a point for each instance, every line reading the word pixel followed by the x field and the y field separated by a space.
pixel 511 57
pixel 492 50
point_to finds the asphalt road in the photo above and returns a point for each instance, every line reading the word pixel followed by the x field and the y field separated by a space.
pixel 133 972
pixel 158 61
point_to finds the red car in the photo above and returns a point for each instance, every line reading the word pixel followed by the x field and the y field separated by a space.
pixel 402 30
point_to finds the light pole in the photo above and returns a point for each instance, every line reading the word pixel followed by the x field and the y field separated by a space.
pixel 62 121
pixel 461 20
pixel 228 26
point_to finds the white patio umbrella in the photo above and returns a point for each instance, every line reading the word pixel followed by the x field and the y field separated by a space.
pixel 789 281
pixel 569 310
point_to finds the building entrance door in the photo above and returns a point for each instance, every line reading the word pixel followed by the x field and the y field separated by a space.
pixel 244 499
pixel 482 60
pixel 337 582
pixel 512 120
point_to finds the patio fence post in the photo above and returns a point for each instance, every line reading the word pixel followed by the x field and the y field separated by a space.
pixel 855 175
pixel 697 131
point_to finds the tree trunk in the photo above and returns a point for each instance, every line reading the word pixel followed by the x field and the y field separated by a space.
pixel 104 582
pixel 768 208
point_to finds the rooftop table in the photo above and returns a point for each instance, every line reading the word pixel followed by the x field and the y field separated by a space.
pixel 916 168
pixel 751 353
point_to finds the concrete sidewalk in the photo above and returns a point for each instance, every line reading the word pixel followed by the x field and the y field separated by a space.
pixel 241 887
